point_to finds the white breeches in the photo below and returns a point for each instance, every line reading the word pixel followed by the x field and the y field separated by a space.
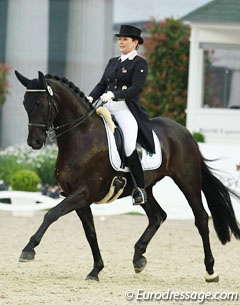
pixel 127 122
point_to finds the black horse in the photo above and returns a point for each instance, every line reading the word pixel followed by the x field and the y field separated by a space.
pixel 84 172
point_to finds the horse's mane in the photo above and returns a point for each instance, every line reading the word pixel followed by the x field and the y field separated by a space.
pixel 67 82
pixel 100 110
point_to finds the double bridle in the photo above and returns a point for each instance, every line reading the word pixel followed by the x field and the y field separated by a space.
pixel 48 127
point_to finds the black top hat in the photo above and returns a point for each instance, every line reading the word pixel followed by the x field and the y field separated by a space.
pixel 130 31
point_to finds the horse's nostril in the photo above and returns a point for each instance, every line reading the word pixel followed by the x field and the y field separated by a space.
pixel 35 143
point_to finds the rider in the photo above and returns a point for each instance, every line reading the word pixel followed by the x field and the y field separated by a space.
pixel 119 89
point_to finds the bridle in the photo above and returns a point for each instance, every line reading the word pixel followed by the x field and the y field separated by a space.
pixel 48 127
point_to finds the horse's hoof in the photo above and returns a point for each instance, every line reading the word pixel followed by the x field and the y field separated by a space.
pixel 27 256
pixel 211 278
pixel 140 264
pixel 92 278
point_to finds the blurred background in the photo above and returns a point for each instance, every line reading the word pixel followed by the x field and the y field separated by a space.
pixel 72 38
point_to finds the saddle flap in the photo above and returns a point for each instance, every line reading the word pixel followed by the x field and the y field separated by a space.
pixel 149 161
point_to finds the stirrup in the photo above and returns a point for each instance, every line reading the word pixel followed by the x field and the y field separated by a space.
pixel 139 196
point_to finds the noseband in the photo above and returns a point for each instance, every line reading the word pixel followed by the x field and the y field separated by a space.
pixel 48 127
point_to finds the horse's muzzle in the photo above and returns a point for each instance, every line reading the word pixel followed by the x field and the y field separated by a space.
pixel 37 141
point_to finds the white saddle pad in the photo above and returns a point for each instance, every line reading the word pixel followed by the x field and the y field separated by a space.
pixel 149 161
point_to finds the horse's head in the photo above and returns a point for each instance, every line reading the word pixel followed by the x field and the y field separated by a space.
pixel 40 107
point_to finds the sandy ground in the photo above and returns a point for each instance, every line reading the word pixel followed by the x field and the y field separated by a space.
pixel 57 275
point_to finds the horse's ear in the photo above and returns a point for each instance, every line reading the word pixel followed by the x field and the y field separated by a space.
pixel 42 80
pixel 23 80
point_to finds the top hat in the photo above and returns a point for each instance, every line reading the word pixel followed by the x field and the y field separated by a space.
pixel 130 31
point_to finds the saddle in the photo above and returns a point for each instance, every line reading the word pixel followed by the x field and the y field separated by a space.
pixel 117 156
pixel 117 132
pixel 116 146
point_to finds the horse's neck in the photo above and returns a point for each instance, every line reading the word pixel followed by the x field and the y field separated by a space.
pixel 75 134
pixel 68 110
pixel 83 141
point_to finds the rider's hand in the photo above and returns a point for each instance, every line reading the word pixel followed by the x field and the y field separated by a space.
pixel 106 97
pixel 89 99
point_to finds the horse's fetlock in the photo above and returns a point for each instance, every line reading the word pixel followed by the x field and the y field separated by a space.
pixel 99 266
pixel 34 242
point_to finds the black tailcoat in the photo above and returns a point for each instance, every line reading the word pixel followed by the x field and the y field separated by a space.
pixel 126 80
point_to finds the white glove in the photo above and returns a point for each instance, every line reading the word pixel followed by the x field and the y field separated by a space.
pixel 90 99
pixel 106 97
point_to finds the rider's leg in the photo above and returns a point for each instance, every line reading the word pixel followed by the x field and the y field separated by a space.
pixel 139 195
pixel 129 127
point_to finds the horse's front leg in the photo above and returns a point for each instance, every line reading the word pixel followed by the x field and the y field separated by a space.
pixel 86 217
pixel 156 216
pixel 74 201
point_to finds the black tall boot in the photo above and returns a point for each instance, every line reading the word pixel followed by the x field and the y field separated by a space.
pixel 139 194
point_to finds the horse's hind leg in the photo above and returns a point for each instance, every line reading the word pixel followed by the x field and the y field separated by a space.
pixel 193 195
pixel 201 222
pixel 86 217
pixel 156 216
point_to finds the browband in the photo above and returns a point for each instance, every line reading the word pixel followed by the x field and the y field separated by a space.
pixel 36 90
pixel 48 89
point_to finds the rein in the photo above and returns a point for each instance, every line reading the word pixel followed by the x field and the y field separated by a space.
pixel 49 129
pixel 74 124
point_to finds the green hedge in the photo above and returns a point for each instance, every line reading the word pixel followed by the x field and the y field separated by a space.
pixel 198 136
pixel 41 162
pixel 25 180
pixel 167 54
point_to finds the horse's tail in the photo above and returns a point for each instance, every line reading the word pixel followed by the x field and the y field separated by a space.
pixel 220 205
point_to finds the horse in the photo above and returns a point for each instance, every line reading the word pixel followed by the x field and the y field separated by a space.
pixel 84 172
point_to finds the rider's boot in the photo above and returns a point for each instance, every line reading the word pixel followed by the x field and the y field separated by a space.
pixel 139 194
